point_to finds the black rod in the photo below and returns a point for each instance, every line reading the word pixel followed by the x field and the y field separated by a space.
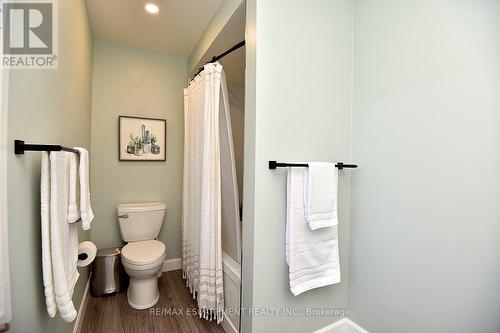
pixel 20 147
pixel 225 53
pixel 222 55
pixel 273 165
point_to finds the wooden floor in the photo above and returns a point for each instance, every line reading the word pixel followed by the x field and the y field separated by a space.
pixel 112 314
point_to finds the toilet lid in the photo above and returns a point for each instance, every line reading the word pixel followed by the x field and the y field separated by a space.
pixel 143 252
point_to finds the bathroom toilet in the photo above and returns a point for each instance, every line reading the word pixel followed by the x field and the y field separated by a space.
pixel 143 256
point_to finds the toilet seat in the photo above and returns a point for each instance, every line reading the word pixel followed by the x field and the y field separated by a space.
pixel 143 253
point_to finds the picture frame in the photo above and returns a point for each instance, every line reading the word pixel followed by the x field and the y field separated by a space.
pixel 142 139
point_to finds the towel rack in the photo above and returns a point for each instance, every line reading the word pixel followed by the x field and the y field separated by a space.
pixel 273 165
pixel 20 147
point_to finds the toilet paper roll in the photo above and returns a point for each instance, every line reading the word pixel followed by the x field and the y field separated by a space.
pixel 86 253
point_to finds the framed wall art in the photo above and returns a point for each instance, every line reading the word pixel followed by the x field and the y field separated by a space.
pixel 142 139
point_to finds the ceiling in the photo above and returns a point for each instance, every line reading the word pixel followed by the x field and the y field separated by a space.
pixel 175 30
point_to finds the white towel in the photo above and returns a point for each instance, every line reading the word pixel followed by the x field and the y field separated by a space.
pixel 48 282
pixel 73 214
pixel 312 255
pixel 64 236
pixel 86 213
pixel 320 195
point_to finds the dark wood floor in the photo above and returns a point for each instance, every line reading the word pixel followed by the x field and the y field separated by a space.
pixel 112 314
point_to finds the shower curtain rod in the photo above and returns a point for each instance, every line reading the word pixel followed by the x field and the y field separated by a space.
pixel 20 147
pixel 220 56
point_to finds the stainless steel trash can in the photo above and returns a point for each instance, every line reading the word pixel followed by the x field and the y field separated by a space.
pixel 108 275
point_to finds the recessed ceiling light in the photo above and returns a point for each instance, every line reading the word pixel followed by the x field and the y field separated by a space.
pixel 151 8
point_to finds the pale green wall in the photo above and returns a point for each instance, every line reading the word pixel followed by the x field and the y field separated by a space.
pixel 135 82
pixel 237 112
pixel 299 61
pixel 45 106
pixel 221 17
pixel 425 231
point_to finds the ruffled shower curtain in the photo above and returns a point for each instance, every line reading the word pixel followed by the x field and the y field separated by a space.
pixel 201 206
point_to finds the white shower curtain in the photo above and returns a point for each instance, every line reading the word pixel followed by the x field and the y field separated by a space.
pixel 201 211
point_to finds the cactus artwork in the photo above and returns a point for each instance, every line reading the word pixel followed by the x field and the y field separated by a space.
pixel 143 138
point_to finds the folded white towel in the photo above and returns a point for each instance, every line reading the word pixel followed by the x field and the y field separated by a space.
pixel 64 236
pixel 312 255
pixel 48 281
pixel 320 195
pixel 86 213
pixel 73 214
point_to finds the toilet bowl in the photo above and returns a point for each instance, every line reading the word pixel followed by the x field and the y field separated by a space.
pixel 143 256
pixel 142 262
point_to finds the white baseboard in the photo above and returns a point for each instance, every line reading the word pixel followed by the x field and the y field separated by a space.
pixel 171 264
pixel 83 307
pixel 228 326
pixel 343 325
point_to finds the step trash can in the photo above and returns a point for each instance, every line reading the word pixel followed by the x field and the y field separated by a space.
pixel 108 275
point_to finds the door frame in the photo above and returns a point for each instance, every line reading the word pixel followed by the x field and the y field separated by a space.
pixel 5 297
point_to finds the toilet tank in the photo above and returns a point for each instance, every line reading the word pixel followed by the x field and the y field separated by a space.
pixel 140 221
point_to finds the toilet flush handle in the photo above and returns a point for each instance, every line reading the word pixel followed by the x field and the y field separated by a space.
pixel 123 216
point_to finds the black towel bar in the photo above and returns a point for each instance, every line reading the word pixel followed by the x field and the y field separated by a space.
pixel 273 165
pixel 20 147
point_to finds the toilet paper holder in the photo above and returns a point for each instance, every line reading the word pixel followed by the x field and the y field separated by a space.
pixel 86 253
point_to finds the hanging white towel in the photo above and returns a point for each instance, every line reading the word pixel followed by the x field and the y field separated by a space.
pixel 312 255
pixel 320 195
pixel 86 213
pixel 73 214
pixel 64 236
pixel 48 281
